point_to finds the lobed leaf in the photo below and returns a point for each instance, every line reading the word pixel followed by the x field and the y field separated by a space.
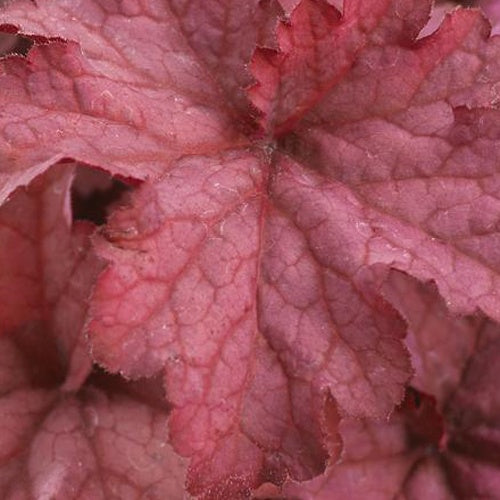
pixel 253 268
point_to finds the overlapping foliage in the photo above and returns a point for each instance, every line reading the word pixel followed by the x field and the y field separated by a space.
pixel 293 278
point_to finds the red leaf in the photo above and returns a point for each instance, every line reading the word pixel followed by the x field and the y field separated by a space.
pixel 248 269
pixel 440 345
pixel 421 452
pixel 224 35
pixel 47 272
pixel 89 105
pixel 374 465
pixel 417 148
pixel 492 9
pixel 220 331
pixel 319 47
pixel 441 8
pixel 61 438
pixel 90 446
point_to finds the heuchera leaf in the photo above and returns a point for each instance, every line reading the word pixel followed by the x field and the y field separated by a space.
pixel 225 352
pixel 444 447
pixel 417 148
pixel 63 437
pixel 106 95
pixel 291 154
pixel 492 10
pixel 440 9
pixel 47 272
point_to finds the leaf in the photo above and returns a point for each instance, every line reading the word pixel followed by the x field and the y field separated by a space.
pixel 378 464
pixel 449 450
pixel 199 323
pixel 222 35
pixel 248 269
pixel 204 316
pixel 65 436
pixel 440 9
pixel 47 272
pixel 413 147
pixel 440 345
pixel 492 10
pixel 86 446
pixel 318 48
pixel 106 96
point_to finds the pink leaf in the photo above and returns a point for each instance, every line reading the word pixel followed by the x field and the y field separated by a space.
pixel 437 451
pixel 106 96
pixel 221 331
pixel 492 9
pixel 441 8
pixel 318 48
pixel 65 436
pixel 417 147
pixel 440 345
pixel 375 465
pixel 48 270
pixel 248 269
pixel 199 322
pixel 89 446
pixel 222 35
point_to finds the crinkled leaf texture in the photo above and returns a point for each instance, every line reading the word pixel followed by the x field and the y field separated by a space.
pixel 65 435
pixel 441 447
pixel 292 154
